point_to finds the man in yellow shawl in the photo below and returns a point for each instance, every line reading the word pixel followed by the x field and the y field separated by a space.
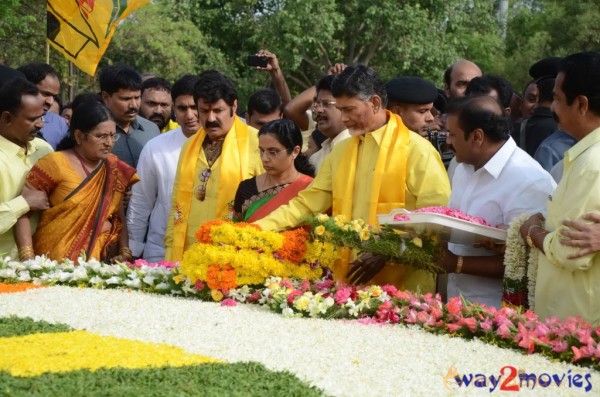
pixel 383 166
pixel 212 163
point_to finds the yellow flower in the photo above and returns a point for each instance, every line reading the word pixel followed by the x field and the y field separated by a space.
pixel 364 235
pixel 418 242
pixel 322 217
pixel 320 230
pixel 179 278
pixel 375 291
pixel 346 228
pixel 340 220
pixel 356 226
pixel 216 295
pixel 302 303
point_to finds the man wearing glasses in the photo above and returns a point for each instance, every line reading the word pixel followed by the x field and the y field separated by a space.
pixel 382 166
pixel 212 163
pixel 329 121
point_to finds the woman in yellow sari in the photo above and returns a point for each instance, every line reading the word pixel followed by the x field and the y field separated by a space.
pixel 85 185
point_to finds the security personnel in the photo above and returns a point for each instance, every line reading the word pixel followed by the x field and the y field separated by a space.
pixel 412 99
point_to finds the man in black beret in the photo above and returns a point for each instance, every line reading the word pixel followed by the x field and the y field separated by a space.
pixel 412 99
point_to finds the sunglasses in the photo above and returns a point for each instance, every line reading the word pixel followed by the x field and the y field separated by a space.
pixel 200 192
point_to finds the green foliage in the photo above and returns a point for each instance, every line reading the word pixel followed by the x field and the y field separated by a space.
pixel 238 379
pixel 403 37
pixel 15 326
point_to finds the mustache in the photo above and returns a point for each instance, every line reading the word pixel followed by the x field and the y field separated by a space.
pixel 132 111
pixel 212 124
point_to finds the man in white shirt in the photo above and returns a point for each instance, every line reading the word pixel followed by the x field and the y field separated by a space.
pixel 329 121
pixel 494 180
pixel 151 200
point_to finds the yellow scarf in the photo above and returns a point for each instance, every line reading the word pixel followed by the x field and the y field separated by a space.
pixel 391 164
pixel 232 172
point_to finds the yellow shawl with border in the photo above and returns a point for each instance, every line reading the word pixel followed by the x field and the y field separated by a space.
pixel 232 171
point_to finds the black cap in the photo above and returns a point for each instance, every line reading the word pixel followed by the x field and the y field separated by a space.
pixel 7 74
pixel 547 67
pixel 411 90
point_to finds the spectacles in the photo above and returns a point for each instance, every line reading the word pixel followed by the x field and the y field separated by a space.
pixel 270 153
pixel 200 192
pixel 107 137
pixel 322 103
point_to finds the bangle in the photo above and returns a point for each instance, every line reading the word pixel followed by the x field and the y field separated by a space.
pixel 529 239
pixel 125 251
pixel 459 264
pixel 26 253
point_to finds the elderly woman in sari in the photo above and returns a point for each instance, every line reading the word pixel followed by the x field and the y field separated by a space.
pixel 85 185
pixel 287 172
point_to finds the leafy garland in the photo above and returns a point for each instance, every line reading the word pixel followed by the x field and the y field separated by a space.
pixel 402 248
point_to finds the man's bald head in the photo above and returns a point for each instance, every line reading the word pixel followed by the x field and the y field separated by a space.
pixel 481 112
pixel 458 76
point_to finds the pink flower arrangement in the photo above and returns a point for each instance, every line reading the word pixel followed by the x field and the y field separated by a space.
pixel 139 263
pixel 571 340
pixel 452 212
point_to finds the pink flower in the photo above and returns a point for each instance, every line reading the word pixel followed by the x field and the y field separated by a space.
pixel 469 322
pixel 292 295
pixel 199 285
pixel 342 295
pixel 167 264
pixel 503 331
pixel 423 317
pixel 387 312
pixel 487 325
pixel 254 297
pixel 559 346
pixel 228 302
pixel 324 284
pixel 453 327
pixel 403 295
pixel 286 283
pixel 454 306
pixel 576 354
pixel 139 263
pixel 304 285
pixel 390 289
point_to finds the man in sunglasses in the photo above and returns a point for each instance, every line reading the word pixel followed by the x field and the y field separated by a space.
pixel 212 163
pixel 382 166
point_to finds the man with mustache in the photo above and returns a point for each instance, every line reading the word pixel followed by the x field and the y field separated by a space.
pixel 157 105
pixel 21 110
pixel 121 86
pixel 46 79
pixel 328 119
pixel 382 166
pixel 212 163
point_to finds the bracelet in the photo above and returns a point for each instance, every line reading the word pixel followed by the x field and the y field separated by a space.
pixel 125 251
pixel 529 239
pixel 26 253
pixel 459 264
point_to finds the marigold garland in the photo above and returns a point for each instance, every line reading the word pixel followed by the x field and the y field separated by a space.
pixel 242 254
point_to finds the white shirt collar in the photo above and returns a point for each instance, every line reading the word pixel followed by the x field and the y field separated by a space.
pixel 496 164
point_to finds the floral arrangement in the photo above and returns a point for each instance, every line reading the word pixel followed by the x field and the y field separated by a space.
pixel 520 268
pixel 452 212
pixel 230 254
pixel 571 340
pixel 419 252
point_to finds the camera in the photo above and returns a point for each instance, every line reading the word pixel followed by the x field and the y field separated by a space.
pixel 438 140
pixel 257 60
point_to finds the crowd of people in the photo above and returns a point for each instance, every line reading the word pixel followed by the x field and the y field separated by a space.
pixel 134 170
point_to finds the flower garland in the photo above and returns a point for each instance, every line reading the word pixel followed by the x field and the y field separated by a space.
pixel 419 252
pixel 231 254
pixel 571 340
pixel 520 268
pixel 452 212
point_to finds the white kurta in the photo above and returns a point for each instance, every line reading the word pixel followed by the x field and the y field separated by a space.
pixel 151 200
pixel 509 184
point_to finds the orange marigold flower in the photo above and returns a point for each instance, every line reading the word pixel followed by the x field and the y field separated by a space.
pixel 203 232
pixel 221 277
pixel 294 245
pixel 6 288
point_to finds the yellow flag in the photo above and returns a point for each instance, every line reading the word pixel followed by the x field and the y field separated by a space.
pixel 82 29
